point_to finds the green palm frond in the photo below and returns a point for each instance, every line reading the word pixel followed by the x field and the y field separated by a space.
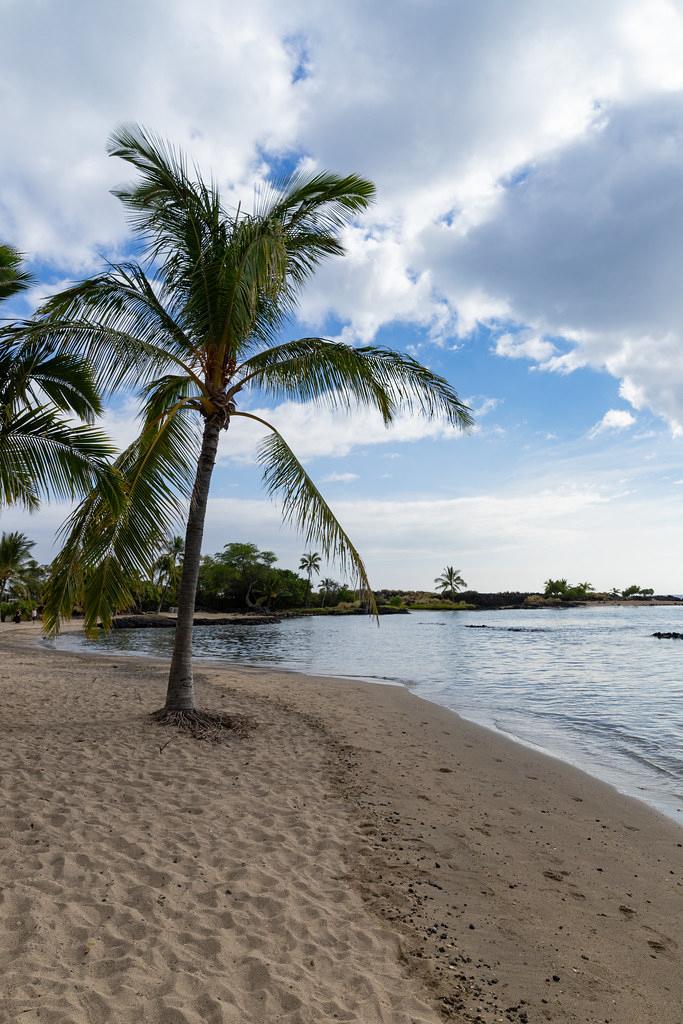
pixel 31 372
pixel 337 375
pixel 313 210
pixel 115 536
pixel 121 325
pixel 43 455
pixel 13 277
pixel 305 508
pixel 236 273
pixel 169 392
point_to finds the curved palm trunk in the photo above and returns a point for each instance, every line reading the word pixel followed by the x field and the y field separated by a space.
pixel 180 693
pixel 161 599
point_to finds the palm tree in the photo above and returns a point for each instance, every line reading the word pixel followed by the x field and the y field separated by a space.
pixel 310 563
pixel 42 453
pixel 168 567
pixel 203 329
pixel 327 587
pixel 15 560
pixel 450 582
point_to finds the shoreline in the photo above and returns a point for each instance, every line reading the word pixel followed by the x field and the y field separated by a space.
pixel 475 869
pixel 672 814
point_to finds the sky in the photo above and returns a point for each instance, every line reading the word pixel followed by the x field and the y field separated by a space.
pixel 527 243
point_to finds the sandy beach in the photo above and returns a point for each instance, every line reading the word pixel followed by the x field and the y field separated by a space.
pixel 360 855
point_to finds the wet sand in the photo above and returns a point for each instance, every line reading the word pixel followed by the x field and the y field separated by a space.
pixel 360 856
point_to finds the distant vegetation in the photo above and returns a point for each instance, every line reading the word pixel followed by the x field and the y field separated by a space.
pixel 636 591
pixel 243 578
pixel 21 578
pixel 561 590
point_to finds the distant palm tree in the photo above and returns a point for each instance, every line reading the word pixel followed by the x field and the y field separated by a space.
pixel 202 330
pixel 168 567
pixel 15 560
pixel 450 582
pixel 327 587
pixel 310 563
pixel 43 453
pixel 556 588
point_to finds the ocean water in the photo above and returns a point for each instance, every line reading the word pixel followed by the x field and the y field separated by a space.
pixel 589 685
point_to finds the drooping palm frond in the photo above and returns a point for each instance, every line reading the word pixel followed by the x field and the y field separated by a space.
pixel 13 277
pixel 122 323
pixel 30 373
pixel 305 508
pixel 113 537
pixel 337 375
pixel 43 455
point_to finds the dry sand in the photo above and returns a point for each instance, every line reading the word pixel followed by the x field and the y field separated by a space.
pixel 361 856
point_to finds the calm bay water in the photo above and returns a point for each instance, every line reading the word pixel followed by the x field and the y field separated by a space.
pixel 589 685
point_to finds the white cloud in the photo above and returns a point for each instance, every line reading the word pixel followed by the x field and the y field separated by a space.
pixel 509 540
pixel 614 419
pixel 121 422
pixel 313 432
pixel 482 406
pixel 340 478
pixel 188 73
pixel 525 345
pixel 528 158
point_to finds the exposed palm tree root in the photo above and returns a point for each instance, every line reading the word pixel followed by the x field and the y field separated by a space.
pixel 205 725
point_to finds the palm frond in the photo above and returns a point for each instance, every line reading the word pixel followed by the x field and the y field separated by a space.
pixel 41 454
pixel 337 375
pixel 320 203
pixel 13 278
pixel 114 537
pixel 118 322
pixel 31 372
pixel 305 508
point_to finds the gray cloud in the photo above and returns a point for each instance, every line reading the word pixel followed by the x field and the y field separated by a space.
pixel 591 239
pixel 589 245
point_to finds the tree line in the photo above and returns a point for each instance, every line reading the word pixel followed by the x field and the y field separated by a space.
pixel 565 591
